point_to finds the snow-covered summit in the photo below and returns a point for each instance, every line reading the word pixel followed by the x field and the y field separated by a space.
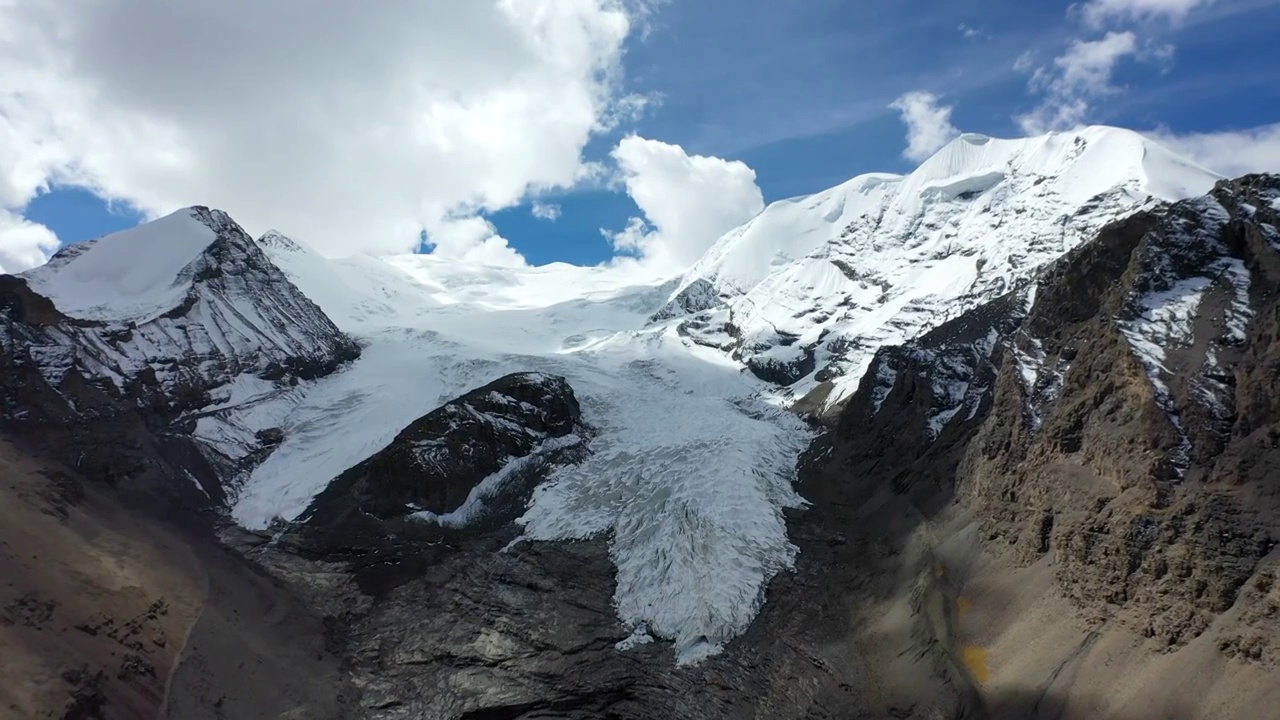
pixel 812 286
pixel 132 275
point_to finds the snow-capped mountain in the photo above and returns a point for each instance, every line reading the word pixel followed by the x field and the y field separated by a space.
pixel 807 291
pixel 188 301
pixel 182 316
pixel 690 459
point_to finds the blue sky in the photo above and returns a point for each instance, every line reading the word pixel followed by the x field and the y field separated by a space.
pixel 800 92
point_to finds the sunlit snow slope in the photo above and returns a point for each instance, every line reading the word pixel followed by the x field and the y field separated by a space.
pixel 808 290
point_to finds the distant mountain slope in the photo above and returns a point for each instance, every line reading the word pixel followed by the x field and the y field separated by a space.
pixel 806 292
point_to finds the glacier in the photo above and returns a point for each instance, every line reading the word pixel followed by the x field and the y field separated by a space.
pixel 690 468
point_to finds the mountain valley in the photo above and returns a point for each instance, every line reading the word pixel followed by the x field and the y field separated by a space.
pixel 996 439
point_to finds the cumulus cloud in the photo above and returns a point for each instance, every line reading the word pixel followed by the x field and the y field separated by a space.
pixel 1075 80
pixel 545 211
pixel 354 126
pixel 1073 83
pixel 688 201
pixel 928 124
pixel 1099 12
pixel 1231 153
pixel 23 244
pixel 472 239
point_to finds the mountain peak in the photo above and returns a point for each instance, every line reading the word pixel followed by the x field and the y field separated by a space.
pixel 276 240
pixel 131 275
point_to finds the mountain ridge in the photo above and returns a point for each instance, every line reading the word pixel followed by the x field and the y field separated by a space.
pixel 829 303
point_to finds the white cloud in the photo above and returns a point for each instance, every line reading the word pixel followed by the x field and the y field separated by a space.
pixel 688 201
pixel 472 239
pixel 971 33
pixel 23 244
pixel 545 211
pixel 1075 80
pixel 1025 62
pixel 629 108
pixel 355 126
pixel 928 124
pixel 1230 153
pixel 1083 74
pixel 1099 12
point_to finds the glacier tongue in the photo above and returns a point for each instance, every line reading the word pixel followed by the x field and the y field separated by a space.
pixel 813 286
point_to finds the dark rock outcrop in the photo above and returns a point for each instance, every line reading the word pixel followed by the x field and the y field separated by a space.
pixel 89 424
pixel 479 455
pixel 696 297
pixel 782 370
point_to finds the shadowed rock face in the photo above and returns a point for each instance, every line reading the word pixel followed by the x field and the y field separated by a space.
pixel 1133 436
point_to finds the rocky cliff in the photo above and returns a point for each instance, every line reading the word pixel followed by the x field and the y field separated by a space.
pixel 473 461
pixel 1106 433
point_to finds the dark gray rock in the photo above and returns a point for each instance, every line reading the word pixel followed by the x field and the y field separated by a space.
pixel 698 296
pixel 517 426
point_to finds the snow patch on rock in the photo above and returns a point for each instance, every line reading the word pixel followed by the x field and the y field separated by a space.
pixel 474 506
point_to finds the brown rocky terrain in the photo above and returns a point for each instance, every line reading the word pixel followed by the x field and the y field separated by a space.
pixel 1107 544
pixel 108 610
pixel 1026 513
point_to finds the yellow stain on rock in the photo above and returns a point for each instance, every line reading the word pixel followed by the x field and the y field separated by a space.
pixel 963 605
pixel 975 660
